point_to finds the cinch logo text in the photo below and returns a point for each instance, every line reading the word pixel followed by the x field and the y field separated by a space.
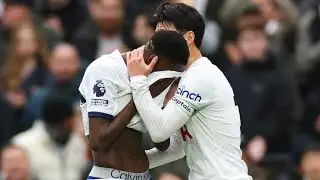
pixel 190 95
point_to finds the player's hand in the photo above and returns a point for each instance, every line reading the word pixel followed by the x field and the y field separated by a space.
pixel 136 63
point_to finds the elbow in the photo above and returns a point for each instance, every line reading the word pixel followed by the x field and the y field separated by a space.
pixel 158 137
pixel 163 146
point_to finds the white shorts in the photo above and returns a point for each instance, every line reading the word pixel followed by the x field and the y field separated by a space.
pixel 109 174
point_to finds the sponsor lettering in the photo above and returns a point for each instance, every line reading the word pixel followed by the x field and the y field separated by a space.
pixel 117 174
pixel 188 94
pixel 99 102
pixel 186 107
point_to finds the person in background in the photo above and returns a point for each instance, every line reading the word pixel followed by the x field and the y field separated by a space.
pixel 14 164
pixel 142 29
pixel 64 78
pixel 27 63
pixel 101 34
pixel 281 18
pixel 55 151
pixel 308 47
pixel 24 71
pixel 267 119
pixel 17 12
pixel 64 16
pixel 310 164
pixel 171 176
pixel 309 128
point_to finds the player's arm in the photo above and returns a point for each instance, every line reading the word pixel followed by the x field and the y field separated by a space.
pixel 100 91
pixel 104 131
pixel 173 153
pixel 162 123
pixel 165 145
pixel 104 128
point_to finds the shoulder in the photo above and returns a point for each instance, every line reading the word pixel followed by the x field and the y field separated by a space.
pixel 105 65
pixel 200 74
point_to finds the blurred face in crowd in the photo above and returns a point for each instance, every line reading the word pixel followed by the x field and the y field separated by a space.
pixel 61 132
pixel 310 165
pixel 64 62
pixel 142 31
pixel 15 164
pixel 14 15
pixel 169 176
pixel 27 44
pixel 107 14
pixel 253 44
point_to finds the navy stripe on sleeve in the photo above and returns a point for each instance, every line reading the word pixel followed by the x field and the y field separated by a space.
pixel 100 115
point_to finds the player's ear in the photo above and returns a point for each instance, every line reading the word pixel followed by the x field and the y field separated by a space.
pixel 189 37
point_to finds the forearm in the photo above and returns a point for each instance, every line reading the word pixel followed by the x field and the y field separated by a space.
pixel 173 153
pixel 161 124
pixel 110 132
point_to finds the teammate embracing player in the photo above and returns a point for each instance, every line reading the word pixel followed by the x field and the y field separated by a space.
pixel 203 106
pixel 113 130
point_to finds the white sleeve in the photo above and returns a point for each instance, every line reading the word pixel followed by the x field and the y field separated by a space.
pixel 99 90
pixel 161 124
pixel 173 153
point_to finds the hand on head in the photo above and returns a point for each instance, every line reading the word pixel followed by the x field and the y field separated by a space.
pixel 136 64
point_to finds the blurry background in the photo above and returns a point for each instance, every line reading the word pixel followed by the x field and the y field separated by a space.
pixel 268 49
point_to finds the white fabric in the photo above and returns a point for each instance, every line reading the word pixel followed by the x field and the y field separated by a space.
pixel 173 153
pixel 48 161
pixel 204 103
pixel 109 174
pixel 113 89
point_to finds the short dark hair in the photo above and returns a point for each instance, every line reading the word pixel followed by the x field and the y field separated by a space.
pixel 170 45
pixel 184 17
pixel 57 110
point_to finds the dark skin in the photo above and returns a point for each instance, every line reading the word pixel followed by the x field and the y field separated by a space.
pixel 116 146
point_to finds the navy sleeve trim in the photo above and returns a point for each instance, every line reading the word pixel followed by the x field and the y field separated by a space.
pixel 100 115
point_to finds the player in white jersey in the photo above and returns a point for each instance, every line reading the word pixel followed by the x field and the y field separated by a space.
pixel 109 115
pixel 203 106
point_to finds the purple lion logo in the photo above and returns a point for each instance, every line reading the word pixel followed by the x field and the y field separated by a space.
pixel 99 89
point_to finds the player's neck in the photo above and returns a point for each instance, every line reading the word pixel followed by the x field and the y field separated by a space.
pixel 195 54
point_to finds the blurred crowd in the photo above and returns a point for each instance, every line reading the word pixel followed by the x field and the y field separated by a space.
pixel 268 49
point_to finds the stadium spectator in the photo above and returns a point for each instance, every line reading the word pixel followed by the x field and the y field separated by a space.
pixel 308 47
pixel 65 76
pixel 102 33
pixel 27 63
pixel 142 29
pixel 310 164
pixel 14 164
pixel 55 151
pixel 65 16
pixel 17 12
pixel 268 118
pixel 281 16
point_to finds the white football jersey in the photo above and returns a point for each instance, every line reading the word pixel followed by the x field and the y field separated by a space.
pixel 105 90
pixel 212 135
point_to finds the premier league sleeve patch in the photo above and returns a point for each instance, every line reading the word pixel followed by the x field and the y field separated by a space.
pixel 99 88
